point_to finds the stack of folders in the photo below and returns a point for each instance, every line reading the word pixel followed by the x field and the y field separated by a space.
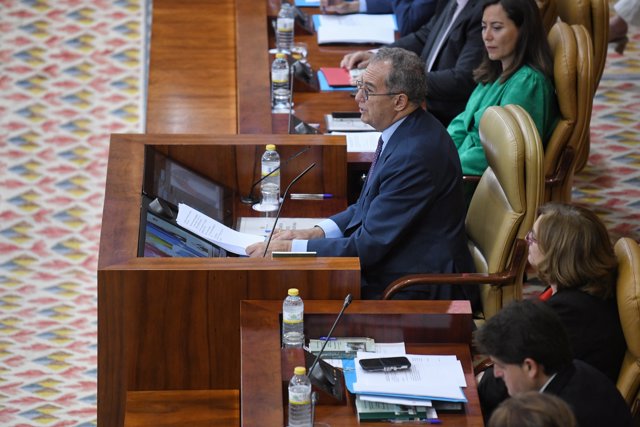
pixel 412 394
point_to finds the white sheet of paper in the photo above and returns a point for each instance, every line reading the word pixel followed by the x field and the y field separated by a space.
pixel 360 142
pixel 395 400
pixel 212 230
pixel 356 28
pixel 426 377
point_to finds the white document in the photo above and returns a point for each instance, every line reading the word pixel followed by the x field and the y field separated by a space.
pixel 210 229
pixel 347 124
pixel 356 28
pixel 360 142
pixel 395 400
pixel 429 377
pixel 386 348
pixel 262 226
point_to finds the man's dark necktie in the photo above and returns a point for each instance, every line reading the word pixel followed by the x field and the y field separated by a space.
pixel 442 33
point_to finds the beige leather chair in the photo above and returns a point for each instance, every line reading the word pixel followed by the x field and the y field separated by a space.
pixel 501 212
pixel 594 16
pixel 549 12
pixel 628 295
pixel 573 77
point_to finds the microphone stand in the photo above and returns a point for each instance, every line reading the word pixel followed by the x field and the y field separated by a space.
pixel 284 197
pixel 347 301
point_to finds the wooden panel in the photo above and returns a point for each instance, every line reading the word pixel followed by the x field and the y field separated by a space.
pixel 198 408
pixel 173 323
pixel 192 71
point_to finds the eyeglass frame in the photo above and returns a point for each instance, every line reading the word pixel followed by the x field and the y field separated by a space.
pixel 530 238
pixel 361 87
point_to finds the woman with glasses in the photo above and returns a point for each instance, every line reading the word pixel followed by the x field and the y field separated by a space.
pixel 570 250
pixel 517 68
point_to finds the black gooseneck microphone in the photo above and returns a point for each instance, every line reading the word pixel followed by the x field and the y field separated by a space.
pixel 249 200
pixel 347 301
pixel 284 197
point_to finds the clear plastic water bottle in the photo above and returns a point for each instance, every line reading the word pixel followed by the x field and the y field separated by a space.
pixel 284 28
pixel 300 398
pixel 293 320
pixel 270 186
pixel 280 90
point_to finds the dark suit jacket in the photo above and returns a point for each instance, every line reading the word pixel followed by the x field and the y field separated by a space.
pixel 594 329
pixel 409 218
pixel 595 400
pixel 410 14
pixel 450 82
pixel 595 334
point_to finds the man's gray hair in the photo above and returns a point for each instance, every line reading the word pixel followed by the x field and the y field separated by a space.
pixel 407 73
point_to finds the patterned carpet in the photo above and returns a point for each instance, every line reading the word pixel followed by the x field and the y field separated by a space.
pixel 71 73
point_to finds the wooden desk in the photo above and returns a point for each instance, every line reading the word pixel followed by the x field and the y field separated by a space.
pixel 174 323
pixel 193 408
pixel 430 327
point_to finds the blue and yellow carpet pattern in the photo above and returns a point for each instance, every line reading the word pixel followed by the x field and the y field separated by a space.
pixel 71 73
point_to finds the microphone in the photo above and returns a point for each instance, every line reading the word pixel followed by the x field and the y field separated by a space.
pixel 249 200
pixel 347 301
pixel 284 197
pixel 299 127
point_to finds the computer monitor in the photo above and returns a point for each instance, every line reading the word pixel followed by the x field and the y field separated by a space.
pixel 165 239
pixel 174 183
pixel 171 183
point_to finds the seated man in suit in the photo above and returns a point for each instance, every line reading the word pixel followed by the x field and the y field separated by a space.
pixel 410 14
pixel 409 217
pixel 531 352
pixel 450 44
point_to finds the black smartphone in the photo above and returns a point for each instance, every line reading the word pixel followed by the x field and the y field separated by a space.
pixel 385 364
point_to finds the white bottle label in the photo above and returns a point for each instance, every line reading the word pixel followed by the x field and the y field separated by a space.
pixel 293 317
pixel 285 24
pixel 280 76
pixel 298 398
pixel 266 169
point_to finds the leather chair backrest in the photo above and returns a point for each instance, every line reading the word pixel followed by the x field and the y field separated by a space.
pixel 573 78
pixel 594 16
pixel 499 204
pixel 549 13
pixel 565 55
pixel 628 296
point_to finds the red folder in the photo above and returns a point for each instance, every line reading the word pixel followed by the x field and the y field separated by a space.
pixel 336 77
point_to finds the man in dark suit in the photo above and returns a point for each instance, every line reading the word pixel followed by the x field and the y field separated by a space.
pixel 450 44
pixel 409 217
pixel 410 14
pixel 531 352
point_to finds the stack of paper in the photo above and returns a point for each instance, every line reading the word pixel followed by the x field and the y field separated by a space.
pixel 356 28
pixel 430 378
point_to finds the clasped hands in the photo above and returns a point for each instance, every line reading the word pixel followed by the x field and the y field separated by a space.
pixel 281 241
pixel 339 7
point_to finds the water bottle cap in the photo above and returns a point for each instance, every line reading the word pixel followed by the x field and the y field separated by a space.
pixel 293 292
pixel 281 55
pixel 271 147
pixel 299 370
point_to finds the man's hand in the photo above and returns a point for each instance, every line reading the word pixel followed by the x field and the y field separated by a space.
pixel 358 59
pixel 305 234
pixel 339 7
pixel 257 249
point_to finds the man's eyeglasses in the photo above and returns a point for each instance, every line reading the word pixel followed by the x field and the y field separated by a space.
pixel 360 85
pixel 530 238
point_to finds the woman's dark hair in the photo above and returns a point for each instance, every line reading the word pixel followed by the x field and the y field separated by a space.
pixel 532 47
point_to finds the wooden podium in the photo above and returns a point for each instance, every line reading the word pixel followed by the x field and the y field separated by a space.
pixel 174 323
pixel 426 327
